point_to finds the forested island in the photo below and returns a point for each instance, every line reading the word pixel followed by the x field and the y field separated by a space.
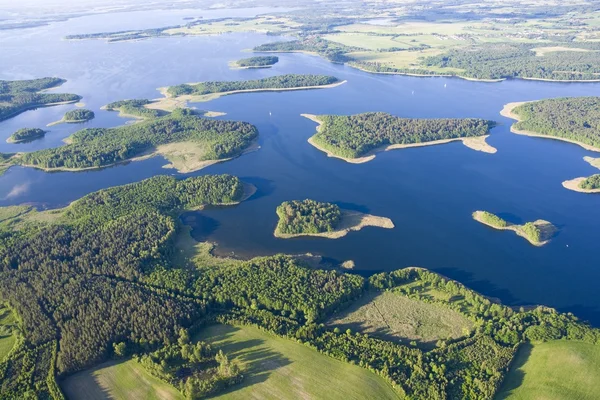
pixel 26 135
pixel 134 108
pixel 188 141
pixel 19 96
pixel 571 119
pixel 76 116
pixel 115 290
pixel 256 62
pixel 355 138
pixel 590 184
pixel 538 233
pixel 313 218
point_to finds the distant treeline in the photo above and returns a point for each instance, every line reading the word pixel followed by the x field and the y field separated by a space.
pixel 353 136
pixel 260 61
pixel 288 81
pixel 573 118
pixel 509 60
pixel 19 96
pixel 332 51
pixel 307 216
pixel 97 147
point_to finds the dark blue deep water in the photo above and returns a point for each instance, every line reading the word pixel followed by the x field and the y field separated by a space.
pixel 428 192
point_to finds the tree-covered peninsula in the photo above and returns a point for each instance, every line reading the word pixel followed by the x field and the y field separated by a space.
pixel 76 116
pixel 26 135
pixel 257 62
pixel 135 108
pixel 313 218
pixel 538 233
pixel 180 136
pixel 591 184
pixel 19 96
pixel 354 137
pixel 572 119
pixel 279 82
pixel 100 280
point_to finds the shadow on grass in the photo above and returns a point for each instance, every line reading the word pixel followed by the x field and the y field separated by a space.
pixel 515 376
pixel 257 359
pixel 87 384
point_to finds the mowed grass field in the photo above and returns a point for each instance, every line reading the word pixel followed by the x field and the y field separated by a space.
pixel 279 369
pixel 392 316
pixel 117 381
pixel 557 370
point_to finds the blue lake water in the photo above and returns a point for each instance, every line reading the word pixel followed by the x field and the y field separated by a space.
pixel 428 192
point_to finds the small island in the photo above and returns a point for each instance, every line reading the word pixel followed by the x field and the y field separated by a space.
pixel 178 96
pixel 23 95
pixel 313 218
pixel 570 119
pixel 75 117
pixel 26 135
pixel 538 233
pixel 256 62
pixel 590 184
pixel 187 141
pixel 134 108
pixel 357 138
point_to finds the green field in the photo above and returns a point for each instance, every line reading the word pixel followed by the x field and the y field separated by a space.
pixel 8 331
pixel 392 316
pixel 558 370
pixel 117 380
pixel 278 368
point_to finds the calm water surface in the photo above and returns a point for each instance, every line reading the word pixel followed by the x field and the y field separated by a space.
pixel 429 192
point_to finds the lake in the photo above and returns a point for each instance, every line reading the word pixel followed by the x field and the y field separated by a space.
pixel 429 193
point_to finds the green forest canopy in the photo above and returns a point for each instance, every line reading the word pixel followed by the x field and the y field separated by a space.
pixel 26 134
pixel 19 96
pixel 591 183
pixel 97 147
pixel 353 136
pixel 259 61
pixel 78 115
pixel 288 81
pixel 572 118
pixel 307 216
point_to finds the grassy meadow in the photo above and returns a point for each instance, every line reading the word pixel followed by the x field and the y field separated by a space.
pixel 279 369
pixel 557 370
pixel 392 316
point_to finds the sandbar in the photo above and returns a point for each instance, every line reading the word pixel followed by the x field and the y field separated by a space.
pixel 573 184
pixel 350 221
pixel 545 227
pixel 477 143
pixel 594 162
pixel 507 111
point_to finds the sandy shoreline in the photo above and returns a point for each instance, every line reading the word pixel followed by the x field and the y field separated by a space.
pixel 594 162
pixel 169 103
pixel 507 111
pixel 350 221
pixel 573 184
pixel 476 143
pixel 546 227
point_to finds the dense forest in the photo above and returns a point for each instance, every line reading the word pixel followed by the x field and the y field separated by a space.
pixel 78 115
pixel 572 118
pixel 97 147
pixel 492 219
pixel 288 81
pixel 260 61
pixel 26 135
pixel 353 136
pixel 134 107
pixel 509 60
pixel 591 183
pixel 19 96
pixel 307 216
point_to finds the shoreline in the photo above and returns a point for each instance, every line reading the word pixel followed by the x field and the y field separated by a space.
pixel 507 111
pixel 540 223
pixel 169 103
pixel 350 221
pixel 594 162
pixel 476 143
pixel 435 75
pixel 68 121
pixel 143 156
pixel 573 184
